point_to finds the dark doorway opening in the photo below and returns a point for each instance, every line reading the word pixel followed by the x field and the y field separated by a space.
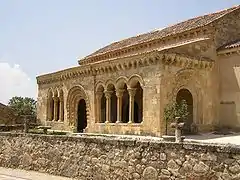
pixel 185 94
pixel 82 116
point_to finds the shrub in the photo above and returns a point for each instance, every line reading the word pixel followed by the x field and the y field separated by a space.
pixel 175 109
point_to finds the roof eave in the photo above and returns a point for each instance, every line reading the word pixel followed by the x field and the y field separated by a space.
pixel 228 50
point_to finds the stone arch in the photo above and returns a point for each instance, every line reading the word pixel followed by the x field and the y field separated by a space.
pixel 100 85
pixel 121 86
pixel 120 82
pixel 112 113
pixel 109 83
pixel 186 79
pixel 100 105
pixel 134 79
pixel 50 105
pixel 186 95
pixel 136 82
pixel 76 94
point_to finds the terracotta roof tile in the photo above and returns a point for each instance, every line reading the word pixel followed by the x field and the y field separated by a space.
pixel 168 31
pixel 231 45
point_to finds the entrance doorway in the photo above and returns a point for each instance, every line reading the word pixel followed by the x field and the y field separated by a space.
pixel 185 94
pixel 82 116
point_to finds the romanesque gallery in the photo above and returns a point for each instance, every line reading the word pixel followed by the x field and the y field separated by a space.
pixel 123 88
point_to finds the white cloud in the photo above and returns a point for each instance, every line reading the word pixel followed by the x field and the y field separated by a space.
pixel 15 82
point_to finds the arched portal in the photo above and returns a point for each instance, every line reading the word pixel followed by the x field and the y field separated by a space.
pixel 77 108
pixel 81 116
pixel 185 94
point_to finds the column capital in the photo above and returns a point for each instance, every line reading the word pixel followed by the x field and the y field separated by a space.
pixel 108 94
pixel 119 92
pixel 132 91
pixel 99 94
pixel 55 98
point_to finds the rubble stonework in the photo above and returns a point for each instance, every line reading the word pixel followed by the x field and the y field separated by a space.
pixel 99 157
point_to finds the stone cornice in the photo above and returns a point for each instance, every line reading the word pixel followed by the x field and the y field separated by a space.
pixel 126 63
pixel 152 44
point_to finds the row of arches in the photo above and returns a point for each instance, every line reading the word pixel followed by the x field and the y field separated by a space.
pixel 121 102
pixel 55 105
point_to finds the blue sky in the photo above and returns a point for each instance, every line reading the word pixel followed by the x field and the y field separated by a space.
pixel 40 36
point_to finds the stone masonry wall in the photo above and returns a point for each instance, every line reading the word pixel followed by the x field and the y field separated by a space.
pixel 99 158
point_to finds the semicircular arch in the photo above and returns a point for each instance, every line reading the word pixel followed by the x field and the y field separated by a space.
pixel 121 81
pixel 75 94
pixel 134 79
pixel 100 86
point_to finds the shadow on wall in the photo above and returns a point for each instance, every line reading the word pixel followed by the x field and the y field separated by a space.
pixel 228 114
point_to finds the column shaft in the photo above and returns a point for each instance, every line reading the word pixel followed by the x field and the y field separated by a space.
pixel 61 110
pixel 108 106
pixel 98 107
pixel 119 94
pixel 55 99
pixel 132 93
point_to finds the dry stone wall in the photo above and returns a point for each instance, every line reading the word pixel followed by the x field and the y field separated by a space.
pixel 100 158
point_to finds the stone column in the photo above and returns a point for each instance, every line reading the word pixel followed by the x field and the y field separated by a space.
pixel 98 106
pixel 108 105
pixel 119 94
pixel 55 100
pixel 61 110
pixel 131 92
pixel 50 109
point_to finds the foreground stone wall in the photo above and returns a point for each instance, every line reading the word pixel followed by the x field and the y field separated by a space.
pixel 99 158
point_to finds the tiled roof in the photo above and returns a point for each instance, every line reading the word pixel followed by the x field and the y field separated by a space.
pixel 168 31
pixel 231 45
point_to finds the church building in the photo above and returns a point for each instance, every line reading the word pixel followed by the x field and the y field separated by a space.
pixel 123 88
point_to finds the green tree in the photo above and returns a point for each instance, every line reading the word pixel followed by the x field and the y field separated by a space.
pixel 175 109
pixel 23 106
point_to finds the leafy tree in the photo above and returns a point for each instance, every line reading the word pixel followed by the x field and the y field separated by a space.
pixel 23 106
pixel 175 109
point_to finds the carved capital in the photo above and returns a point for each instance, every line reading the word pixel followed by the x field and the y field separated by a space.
pixel 55 99
pixel 99 94
pixel 132 91
pixel 108 94
pixel 119 93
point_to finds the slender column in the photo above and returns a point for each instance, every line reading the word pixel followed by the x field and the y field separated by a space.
pixel 61 110
pixel 131 92
pixel 98 106
pixel 108 105
pixel 50 109
pixel 55 100
pixel 119 94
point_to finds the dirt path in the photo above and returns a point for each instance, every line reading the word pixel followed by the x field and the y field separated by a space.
pixel 16 174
